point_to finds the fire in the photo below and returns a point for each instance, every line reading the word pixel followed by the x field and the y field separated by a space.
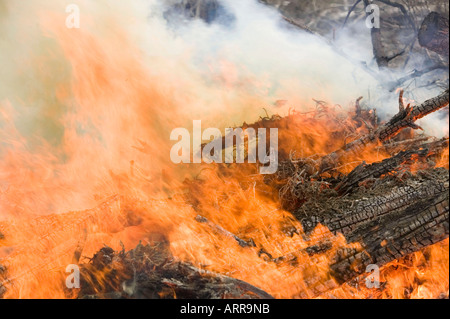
pixel 107 178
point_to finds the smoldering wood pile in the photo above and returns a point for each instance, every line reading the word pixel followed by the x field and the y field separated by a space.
pixel 392 208
pixel 385 206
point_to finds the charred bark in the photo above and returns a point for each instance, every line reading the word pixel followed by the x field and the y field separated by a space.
pixel 151 272
pixel 434 35
pixel 403 160
pixel 389 221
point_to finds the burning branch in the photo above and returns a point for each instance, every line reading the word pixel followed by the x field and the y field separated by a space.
pixel 406 117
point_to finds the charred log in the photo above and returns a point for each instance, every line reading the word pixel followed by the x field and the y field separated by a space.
pixel 388 221
pixel 402 160
pixel 395 147
pixel 151 272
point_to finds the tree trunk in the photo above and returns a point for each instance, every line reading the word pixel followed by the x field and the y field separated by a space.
pixel 433 33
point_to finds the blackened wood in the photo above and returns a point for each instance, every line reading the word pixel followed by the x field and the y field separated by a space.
pixel 388 226
pixel 151 272
pixel 404 159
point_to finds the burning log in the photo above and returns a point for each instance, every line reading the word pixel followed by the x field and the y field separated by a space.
pixel 151 272
pixel 385 207
pixel 433 33
pixel 406 117
pixel 388 220
pixel 395 147
pixel 364 172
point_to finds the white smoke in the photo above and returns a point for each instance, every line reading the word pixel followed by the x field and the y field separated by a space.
pixel 290 64
pixel 253 58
